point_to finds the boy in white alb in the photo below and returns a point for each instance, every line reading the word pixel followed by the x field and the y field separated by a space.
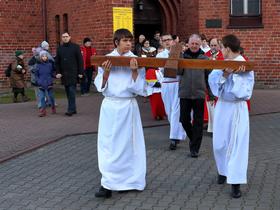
pixel 171 101
pixel 231 118
pixel 121 146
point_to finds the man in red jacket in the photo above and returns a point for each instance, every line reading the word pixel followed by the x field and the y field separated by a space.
pixel 214 53
pixel 87 51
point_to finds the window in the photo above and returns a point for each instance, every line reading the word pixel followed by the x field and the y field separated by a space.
pixel 65 22
pixel 245 14
pixel 57 30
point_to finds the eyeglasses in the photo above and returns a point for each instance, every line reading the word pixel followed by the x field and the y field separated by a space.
pixel 213 45
pixel 164 40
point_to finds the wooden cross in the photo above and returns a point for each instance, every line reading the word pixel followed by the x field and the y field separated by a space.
pixel 172 63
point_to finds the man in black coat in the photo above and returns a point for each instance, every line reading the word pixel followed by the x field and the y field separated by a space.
pixel 69 67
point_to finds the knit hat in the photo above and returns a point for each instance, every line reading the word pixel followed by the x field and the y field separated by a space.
pixel 43 52
pixel 18 53
pixel 87 40
pixel 45 45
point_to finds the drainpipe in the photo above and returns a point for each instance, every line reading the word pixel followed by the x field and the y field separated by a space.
pixel 44 16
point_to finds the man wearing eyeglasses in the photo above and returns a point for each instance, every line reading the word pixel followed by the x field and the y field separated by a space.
pixel 169 92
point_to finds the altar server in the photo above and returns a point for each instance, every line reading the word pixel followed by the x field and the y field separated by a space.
pixel 231 118
pixel 121 146
pixel 171 101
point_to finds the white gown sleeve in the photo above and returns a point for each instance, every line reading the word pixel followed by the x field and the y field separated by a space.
pixel 216 82
pixel 235 87
pixel 99 80
pixel 242 85
pixel 139 86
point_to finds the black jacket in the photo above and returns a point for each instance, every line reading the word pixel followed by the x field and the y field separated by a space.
pixel 69 63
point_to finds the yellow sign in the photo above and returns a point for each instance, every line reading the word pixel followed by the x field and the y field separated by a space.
pixel 123 18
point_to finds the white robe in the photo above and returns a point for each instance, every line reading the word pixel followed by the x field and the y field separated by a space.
pixel 121 146
pixel 171 101
pixel 231 123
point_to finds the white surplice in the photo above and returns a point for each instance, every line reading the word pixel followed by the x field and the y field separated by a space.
pixel 171 101
pixel 231 123
pixel 121 146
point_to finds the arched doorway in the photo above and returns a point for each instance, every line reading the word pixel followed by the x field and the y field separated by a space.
pixel 148 17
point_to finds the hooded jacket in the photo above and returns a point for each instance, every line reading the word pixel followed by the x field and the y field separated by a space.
pixel 44 74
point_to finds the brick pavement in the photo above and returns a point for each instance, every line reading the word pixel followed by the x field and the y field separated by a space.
pixel 64 175
pixel 21 129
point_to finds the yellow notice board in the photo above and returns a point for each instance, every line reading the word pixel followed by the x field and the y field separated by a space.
pixel 123 18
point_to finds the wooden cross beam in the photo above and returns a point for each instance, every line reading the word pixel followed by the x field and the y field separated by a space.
pixel 172 63
pixel 182 63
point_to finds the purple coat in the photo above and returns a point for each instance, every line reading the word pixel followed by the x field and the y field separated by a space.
pixel 45 74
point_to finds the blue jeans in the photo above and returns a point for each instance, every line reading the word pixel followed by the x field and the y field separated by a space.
pixel 71 97
pixel 86 80
pixel 47 99
pixel 42 97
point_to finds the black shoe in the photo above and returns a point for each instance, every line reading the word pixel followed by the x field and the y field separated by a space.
pixel 103 193
pixel 221 179
pixel 235 191
pixel 69 114
pixel 194 154
pixel 173 145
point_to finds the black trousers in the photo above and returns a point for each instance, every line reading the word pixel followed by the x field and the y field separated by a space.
pixel 193 129
pixel 71 97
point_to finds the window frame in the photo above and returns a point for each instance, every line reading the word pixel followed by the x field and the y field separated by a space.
pixel 245 20
pixel 65 22
pixel 57 30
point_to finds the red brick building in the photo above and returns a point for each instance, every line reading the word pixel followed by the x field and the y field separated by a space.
pixel 24 24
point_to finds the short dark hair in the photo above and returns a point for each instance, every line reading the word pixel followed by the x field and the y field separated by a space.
pixel 232 42
pixel 174 36
pixel 203 37
pixel 87 39
pixel 64 32
pixel 120 34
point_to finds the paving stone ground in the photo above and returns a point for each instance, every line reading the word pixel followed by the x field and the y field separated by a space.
pixel 21 129
pixel 64 175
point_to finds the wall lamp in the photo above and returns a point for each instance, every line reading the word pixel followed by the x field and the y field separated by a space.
pixel 140 4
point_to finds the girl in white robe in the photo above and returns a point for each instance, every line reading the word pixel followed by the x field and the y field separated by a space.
pixel 121 147
pixel 231 119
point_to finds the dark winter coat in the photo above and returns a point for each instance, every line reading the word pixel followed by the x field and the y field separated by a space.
pixel 44 75
pixel 69 63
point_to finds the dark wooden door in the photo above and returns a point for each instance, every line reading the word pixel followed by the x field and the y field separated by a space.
pixel 147 18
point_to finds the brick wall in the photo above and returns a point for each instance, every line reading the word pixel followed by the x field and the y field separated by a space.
pixel 261 44
pixel 86 18
pixel 21 28
pixel 188 19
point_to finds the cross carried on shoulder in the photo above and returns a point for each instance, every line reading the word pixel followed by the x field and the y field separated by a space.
pixel 173 63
